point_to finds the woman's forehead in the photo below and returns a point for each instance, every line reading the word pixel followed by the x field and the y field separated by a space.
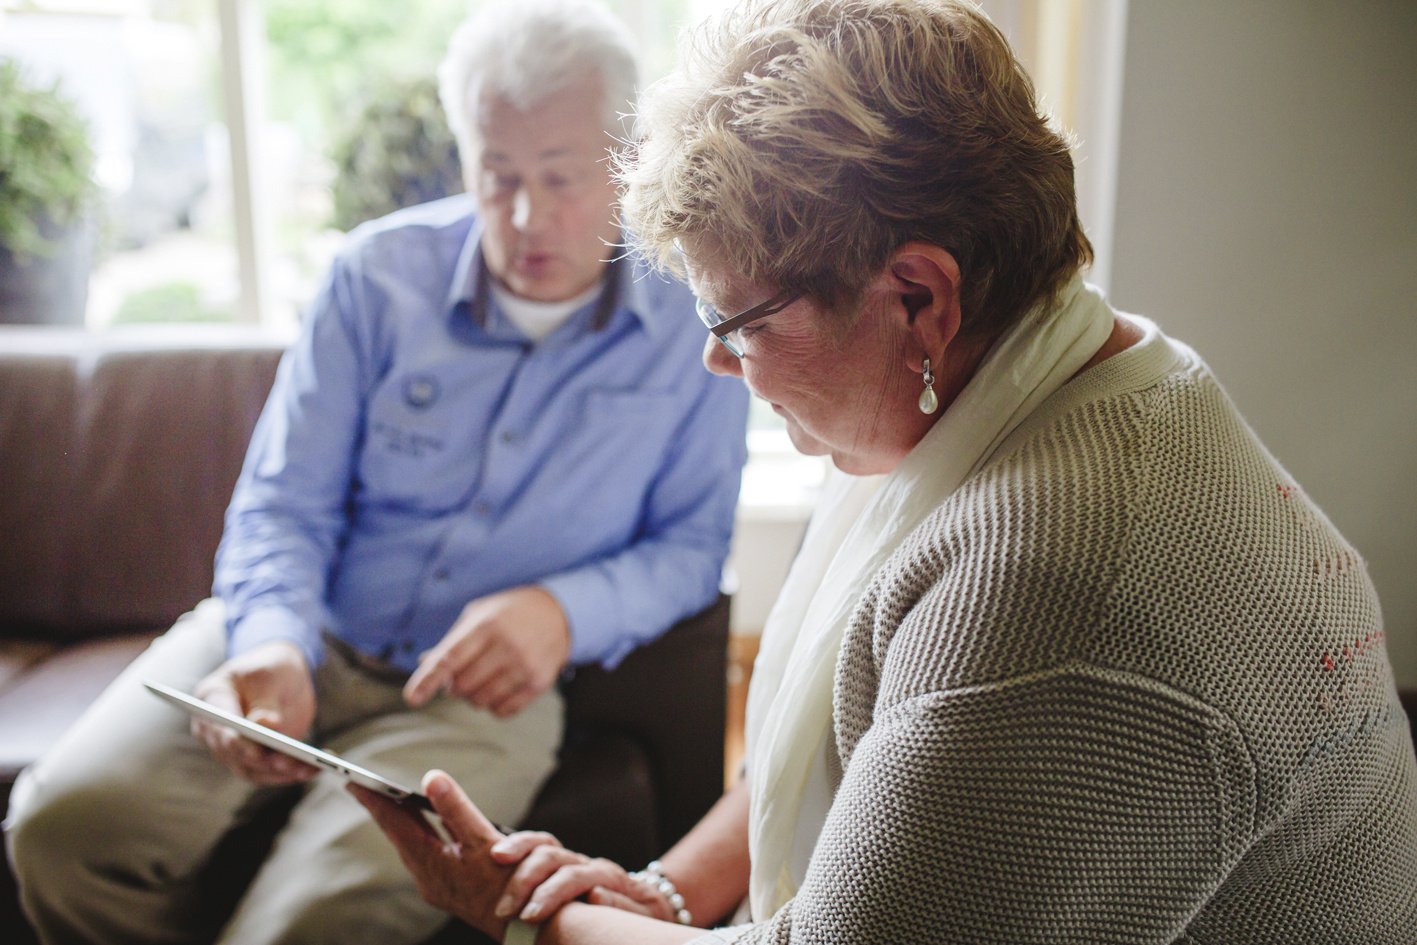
pixel 720 286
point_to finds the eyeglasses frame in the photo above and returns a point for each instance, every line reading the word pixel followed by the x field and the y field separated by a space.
pixel 728 326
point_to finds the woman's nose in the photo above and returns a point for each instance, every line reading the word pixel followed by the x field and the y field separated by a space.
pixel 719 360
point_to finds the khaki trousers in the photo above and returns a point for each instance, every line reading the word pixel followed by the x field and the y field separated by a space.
pixel 110 832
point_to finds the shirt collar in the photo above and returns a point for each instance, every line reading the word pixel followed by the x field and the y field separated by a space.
pixel 628 288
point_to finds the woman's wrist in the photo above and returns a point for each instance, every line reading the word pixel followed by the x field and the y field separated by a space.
pixel 653 876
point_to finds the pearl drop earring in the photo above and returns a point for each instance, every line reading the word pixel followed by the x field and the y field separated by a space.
pixel 929 403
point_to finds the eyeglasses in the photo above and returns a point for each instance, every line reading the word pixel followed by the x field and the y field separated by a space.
pixel 725 328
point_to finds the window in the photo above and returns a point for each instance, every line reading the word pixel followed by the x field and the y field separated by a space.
pixel 145 77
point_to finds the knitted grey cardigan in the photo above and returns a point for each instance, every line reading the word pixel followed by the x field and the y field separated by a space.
pixel 1127 685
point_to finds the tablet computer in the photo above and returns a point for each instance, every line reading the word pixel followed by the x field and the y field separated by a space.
pixel 293 747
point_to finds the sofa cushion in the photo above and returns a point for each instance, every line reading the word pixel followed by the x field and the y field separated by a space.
pixel 37 707
pixel 19 656
pixel 38 406
pixel 118 453
pixel 157 473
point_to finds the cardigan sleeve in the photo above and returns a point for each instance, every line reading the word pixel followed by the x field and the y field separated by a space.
pixel 1074 805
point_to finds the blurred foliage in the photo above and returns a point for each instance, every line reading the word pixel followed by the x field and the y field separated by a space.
pixel 170 302
pixel 322 54
pixel 396 152
pixel 46 163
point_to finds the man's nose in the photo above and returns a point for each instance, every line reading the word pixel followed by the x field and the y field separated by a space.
pixel 719 360
pixel 528 209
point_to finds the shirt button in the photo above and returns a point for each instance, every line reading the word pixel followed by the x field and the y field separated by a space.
pixel 481 508
pixel 508 437
pixel 441 574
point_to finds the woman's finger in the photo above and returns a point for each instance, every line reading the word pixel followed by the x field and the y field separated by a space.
pixel 536 868
pixel 601 896
pixel 569 884
pixel 464 821
pixel 513 848
pixel 406 828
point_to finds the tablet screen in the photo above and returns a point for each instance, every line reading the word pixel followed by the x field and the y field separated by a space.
pixel 276 741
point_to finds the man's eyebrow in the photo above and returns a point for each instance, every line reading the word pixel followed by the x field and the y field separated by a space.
pixel 550 154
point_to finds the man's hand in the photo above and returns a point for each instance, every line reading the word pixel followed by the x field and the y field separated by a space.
pixel 270 685
pixel 504 651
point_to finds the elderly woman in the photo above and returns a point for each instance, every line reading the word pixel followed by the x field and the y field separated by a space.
pixel 1067 656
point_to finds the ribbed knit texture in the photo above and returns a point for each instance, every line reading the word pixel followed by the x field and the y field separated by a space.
pixel 1128 685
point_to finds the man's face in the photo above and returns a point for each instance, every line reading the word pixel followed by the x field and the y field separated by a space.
pixel 548 202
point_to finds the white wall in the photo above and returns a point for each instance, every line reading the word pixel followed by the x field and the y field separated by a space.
pixel 1267 215
pixel 764 543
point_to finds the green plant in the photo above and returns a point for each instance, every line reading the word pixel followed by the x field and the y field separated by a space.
pixel 46 163
pixel 396 152
pixel 169 302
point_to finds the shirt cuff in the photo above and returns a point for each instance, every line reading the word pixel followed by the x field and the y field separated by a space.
pixel 589 603
pixel 271 624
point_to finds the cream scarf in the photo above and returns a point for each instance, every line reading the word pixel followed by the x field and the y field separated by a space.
pixel 858 524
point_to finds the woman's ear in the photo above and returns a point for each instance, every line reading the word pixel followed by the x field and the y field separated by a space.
pixel 925 280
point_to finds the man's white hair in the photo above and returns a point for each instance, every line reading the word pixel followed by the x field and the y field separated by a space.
pixel 525 51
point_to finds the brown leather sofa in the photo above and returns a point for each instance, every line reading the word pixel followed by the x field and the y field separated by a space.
pixel 118 452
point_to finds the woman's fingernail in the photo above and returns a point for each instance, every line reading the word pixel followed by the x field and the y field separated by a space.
pixel 501 846
pixel 504 907
pixel 530 913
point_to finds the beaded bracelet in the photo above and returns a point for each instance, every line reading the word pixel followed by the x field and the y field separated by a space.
pixel 653 874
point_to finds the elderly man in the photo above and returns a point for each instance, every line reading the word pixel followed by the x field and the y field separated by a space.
pixel 492 455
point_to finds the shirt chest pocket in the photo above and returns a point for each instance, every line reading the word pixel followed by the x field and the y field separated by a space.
pixel 421 453
pixel 619 441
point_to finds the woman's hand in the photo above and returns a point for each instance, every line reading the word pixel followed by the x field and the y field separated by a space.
pixel 461 877
pixel 547 876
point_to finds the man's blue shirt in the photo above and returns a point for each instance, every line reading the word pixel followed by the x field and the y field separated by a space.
pixel 418 452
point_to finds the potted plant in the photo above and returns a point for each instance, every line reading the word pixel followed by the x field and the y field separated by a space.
pixel 396 151
pixel 46 232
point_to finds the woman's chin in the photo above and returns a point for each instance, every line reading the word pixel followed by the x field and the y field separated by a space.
pixel 804 442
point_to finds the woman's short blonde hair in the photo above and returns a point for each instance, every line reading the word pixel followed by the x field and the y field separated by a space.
pixel 802 141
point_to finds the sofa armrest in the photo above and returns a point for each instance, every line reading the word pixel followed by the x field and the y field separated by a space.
pixel 670 697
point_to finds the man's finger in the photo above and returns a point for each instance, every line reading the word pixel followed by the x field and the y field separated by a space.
pixel 439 666
pixel 491 668
pixel 490 689
pixel 430 676
pixel 514 703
